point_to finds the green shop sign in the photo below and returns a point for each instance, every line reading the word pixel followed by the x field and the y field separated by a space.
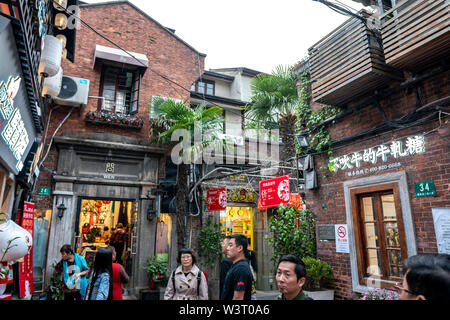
pixel 425 189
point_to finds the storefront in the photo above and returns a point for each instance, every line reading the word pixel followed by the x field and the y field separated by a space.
pixel 239 215
pixel 387 200
pixel 98 185
pixel 17 127
pixel 19 145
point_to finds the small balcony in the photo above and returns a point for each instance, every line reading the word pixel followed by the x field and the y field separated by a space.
pixel 347 63
pixel 416 33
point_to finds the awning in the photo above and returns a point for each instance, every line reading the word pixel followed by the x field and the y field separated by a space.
pixel 118 55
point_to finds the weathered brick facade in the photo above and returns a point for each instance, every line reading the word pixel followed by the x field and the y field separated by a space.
pixel 328 202
pixel 167 54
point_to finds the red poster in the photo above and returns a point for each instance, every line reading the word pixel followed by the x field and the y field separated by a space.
pixel 216 199
pixel 275 191
pixel 26 267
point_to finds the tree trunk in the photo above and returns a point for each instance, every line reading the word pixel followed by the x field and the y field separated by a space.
pixel 181 204
pixel 287 133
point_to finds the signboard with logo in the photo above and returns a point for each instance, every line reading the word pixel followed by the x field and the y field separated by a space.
pixel 342 244
pixel 216 199
pixel 294 200
pixel 275 191
pixel 17 131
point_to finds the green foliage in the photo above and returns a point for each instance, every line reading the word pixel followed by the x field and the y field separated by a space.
pixel 294 233
pixel 55 286
pixel 209 241
pixel 155 269
pixel 319 139
pixel 318 273
pixel 274 97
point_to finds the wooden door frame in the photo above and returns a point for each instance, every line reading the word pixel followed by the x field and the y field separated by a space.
pixel 399 178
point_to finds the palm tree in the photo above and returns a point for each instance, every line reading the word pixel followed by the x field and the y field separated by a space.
pixel 166 117
pixel 273 105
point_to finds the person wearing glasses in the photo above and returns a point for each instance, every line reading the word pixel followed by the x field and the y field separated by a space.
pixel 187 281
pixel 427 277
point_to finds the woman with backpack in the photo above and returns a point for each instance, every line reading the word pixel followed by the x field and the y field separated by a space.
pixel 187 281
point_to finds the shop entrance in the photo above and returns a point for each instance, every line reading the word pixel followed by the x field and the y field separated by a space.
pixel 97 220
pixel 238 220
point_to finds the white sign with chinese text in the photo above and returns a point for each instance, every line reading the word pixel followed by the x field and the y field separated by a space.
pixel 341 233
pixel 379 155
pixel 14 133
pixel 441 219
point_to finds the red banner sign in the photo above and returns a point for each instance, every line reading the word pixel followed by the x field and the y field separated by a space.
pixel 26 267
pixel 294 200
pixel 275 191
pixel 216 199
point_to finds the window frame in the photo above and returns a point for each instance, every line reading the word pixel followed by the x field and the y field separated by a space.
pixel 206 82
pixel 136 81
pixel 359 231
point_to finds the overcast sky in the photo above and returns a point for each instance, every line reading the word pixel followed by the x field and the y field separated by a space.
pixel 256 34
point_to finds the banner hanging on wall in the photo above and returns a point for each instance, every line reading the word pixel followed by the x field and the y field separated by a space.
pixel 275 191
pixel 216 199
pixel 26 267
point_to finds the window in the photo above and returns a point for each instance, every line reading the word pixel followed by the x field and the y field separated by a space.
pixel 120 90
pixel 204 87
pixel 379 234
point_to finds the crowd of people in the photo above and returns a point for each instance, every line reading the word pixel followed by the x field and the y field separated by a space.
pixel 426 277
pixel 105 277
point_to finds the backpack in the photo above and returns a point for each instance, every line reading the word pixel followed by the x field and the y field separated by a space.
pixel 199 279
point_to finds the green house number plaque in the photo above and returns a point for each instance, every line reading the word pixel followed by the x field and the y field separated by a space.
pixel 425 189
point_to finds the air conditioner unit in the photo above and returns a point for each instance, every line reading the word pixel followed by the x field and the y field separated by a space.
pixel 74 92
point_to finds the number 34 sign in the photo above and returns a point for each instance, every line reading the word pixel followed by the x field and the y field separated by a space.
pixel 425 189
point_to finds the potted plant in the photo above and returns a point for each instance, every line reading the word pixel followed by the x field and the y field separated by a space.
pixel 318 276
pixel 157 272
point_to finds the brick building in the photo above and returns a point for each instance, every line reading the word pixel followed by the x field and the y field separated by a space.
pixel 390 186
pixel 100 166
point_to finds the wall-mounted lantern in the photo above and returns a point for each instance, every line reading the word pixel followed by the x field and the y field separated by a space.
pixel 61 208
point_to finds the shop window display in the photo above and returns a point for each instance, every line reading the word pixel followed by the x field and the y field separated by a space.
pixel 238 220
pixel 97 221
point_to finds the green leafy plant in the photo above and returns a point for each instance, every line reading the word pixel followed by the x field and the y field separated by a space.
pixel 55 286
pixel 319 138
pixel 209 241
pixel 293 232
pixel 156 270
pixel 318 273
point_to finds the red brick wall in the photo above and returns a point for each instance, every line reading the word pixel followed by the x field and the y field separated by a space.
pixel 134 32
pixel 328 203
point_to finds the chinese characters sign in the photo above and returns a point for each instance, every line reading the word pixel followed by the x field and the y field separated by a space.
pixel 274 191
pixel 13 133
pixel 379 155
pixel 26 267
pixel 216 199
